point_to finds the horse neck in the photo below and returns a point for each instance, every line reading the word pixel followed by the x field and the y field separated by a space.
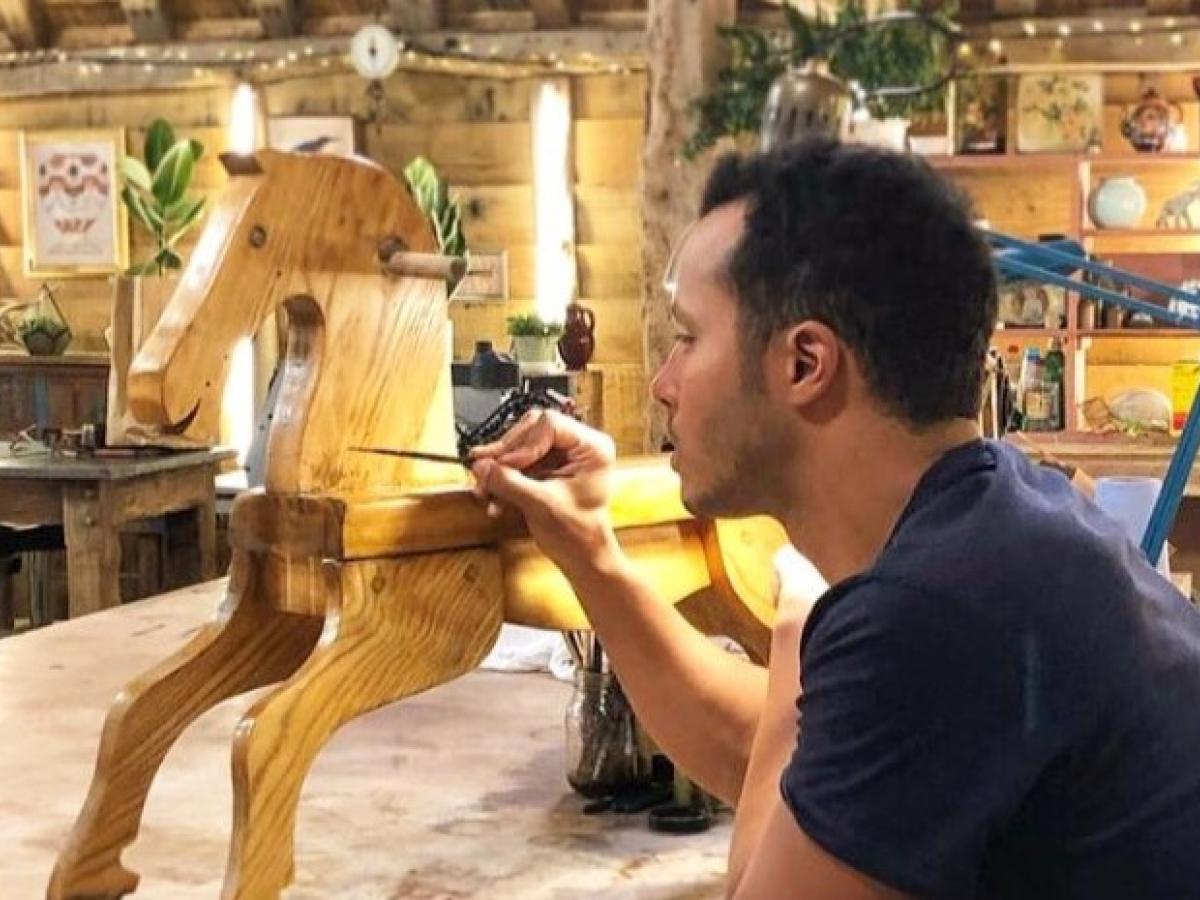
pixel 367 364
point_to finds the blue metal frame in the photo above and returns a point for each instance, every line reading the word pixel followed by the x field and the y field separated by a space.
pixel 1055 263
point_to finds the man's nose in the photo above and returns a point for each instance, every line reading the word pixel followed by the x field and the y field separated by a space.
pixel 662 385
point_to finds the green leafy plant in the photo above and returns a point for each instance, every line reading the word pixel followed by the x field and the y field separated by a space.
pixel 433 196
pixel 533 325
pixel 874 57
pixel 156 193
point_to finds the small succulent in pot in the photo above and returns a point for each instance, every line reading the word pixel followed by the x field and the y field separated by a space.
pixel 43 335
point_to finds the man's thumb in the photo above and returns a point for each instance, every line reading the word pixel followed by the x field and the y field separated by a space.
pixel 507 484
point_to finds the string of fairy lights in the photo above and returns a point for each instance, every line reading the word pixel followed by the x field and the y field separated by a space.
pixel 298 58
pixel 1061 35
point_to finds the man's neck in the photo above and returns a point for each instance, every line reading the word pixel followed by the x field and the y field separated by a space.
pixel 850 496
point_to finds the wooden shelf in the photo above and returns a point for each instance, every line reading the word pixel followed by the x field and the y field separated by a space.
pixel 1141 232
pixel 1025 161
pixel 1119 160
pixel 1020 162
pixel 1028 334
pixel 9 358
pixel 1182 333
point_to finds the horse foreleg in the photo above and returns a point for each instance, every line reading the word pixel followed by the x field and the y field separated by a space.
pixel 248 645
pixel 394 628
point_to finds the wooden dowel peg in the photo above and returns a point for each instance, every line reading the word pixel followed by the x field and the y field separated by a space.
pixel 426 265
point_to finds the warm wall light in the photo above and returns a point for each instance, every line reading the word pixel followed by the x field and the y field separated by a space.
pixel 243 120
pixel 237 401
pixel 554 206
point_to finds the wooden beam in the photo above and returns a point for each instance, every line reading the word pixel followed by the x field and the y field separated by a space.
pixel 149 21
pixel 412 16
pixel 684 52
pixel 279 18
pixel 551 13
pixel 141 69
pixel 24 22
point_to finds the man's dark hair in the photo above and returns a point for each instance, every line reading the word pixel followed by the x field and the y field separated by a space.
pixel 877 246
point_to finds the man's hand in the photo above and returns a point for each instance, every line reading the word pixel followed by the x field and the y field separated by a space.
pixel 557 472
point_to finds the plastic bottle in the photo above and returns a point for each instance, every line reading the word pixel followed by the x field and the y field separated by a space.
pixel 1055 363
pixel 1185 376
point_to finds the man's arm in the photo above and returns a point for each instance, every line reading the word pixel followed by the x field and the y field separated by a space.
pixel 699 703
pixel 770 856
pixel 785 863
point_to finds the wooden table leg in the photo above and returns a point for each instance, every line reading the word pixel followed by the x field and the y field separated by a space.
pixel 206 528
pixel 93 548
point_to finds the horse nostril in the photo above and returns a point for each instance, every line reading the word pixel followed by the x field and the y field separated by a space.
pixel 258 236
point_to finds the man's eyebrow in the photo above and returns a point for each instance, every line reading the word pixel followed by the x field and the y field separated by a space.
pixel 681 315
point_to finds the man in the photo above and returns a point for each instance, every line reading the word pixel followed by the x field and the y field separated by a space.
pixel 999 697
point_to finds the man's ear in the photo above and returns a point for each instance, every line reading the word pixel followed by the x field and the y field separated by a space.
pixel 811 357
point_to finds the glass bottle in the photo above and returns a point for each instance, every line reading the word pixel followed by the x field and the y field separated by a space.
pixel 1055 363
pixel 601 737
pixel 1035 394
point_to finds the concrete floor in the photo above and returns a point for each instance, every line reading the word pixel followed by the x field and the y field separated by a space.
pixel 458 793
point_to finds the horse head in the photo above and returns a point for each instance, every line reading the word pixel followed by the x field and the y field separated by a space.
pixel 368 359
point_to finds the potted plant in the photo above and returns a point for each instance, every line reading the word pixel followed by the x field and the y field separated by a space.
pixel 433 197
pixel 156 193
pixel 43 335
pixel 871 57
pixel 43 329
pixel 155 190
pixel 534 340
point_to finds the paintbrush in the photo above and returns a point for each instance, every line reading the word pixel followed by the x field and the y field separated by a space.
pixel 416 454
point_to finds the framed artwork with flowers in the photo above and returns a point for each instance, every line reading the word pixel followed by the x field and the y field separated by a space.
pixel 1059 112
pixel 72 215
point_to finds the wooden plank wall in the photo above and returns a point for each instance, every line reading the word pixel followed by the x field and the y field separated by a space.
pixel 476 131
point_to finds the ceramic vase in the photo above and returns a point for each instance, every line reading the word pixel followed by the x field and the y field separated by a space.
pixel 1117 203
pixel 578 342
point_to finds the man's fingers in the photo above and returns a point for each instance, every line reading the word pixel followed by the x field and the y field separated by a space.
pixel 494 481
pixel 514 437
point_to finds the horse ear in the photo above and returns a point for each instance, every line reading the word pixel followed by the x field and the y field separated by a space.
pixel 241 164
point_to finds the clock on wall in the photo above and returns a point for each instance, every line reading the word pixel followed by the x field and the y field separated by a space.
pixel 374 52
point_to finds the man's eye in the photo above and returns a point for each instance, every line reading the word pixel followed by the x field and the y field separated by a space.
pixel 683 338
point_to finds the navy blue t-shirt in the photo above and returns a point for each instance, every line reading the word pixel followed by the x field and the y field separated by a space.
pixel 1007 703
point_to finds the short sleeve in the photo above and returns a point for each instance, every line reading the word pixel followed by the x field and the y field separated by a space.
pixel 919 734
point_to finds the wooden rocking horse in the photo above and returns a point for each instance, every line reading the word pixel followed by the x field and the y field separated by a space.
pixel 356 580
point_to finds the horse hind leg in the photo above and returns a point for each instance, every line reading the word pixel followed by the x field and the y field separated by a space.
pixel 739 602
pixel 394 628
pixel 248 645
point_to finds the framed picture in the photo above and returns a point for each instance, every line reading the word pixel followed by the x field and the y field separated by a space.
pixel 73 218
pixel 486 278
pixel 981 115
pixel 1059 112
pixel 334 135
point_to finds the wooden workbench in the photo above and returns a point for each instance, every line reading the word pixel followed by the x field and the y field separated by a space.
pixel 455 793
pixel 1102 455
pixel 92 498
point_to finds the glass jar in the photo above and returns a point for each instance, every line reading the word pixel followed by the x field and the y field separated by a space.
pixel 601 737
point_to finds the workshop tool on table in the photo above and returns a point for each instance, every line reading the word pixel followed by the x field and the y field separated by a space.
pixel 1057 263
